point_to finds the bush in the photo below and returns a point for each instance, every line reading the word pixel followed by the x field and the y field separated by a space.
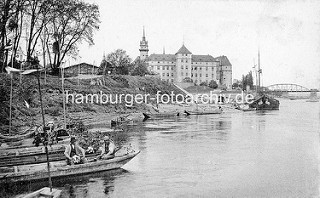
pixel 188 80
pixel 203 84
pixel 213 84
pixel 53 111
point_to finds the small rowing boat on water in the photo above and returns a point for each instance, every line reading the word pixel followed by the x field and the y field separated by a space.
pixel 160 115
pixel 29 150
pixel 35 159
pixel 121 120
pixel 203 112
pixel 245 107
pixel 61 169
pixel 312 100
pixel 43 192
pixel 27 134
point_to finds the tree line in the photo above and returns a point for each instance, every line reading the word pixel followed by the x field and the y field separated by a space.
pixel 48 28
pixel 118 62
pixel 246 81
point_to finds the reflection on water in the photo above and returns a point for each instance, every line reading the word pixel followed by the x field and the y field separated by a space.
pixel 240 154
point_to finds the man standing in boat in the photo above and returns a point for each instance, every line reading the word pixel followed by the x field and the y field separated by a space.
pixel 73 152
pixel 107 149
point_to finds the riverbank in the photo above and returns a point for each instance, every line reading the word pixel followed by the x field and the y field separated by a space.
pixel 26 110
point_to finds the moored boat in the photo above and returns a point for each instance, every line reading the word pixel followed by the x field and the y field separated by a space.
pixel 203 112
pixel 262 101
pixel 245 107
pixel 27 134
pixel 43 192
pixel 312 100
pixel 36 158
pixel 120 121
pixel 265 102
pixel 160 115
pixel 61 169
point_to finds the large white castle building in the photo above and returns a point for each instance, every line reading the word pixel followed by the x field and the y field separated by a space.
pixel 184 65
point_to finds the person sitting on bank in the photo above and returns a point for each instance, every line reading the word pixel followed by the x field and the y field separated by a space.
pixel 107 149
pixel 74 153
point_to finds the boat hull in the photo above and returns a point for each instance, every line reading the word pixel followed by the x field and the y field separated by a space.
pixel 160 115
pixel 312 100
pixel 27 134
pixel 79 169
pixel 265 102
pixel 202 112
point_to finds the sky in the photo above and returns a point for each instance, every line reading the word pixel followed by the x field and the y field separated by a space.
pixel 287 33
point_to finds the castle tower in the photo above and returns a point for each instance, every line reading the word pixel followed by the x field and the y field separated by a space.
pixel 143 47
pixel 183 64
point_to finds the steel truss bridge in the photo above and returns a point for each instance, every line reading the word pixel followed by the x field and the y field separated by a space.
pixel 289 88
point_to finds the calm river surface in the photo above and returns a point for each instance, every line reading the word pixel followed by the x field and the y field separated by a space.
pixel 239 154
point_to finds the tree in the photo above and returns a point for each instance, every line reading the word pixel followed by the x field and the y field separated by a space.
pixel 120 60
pixel 39 13
pixel 63 24
pixel 105 66
pixel 74 21
pixel 140 69
pixel 213 84
pixel 204 83
pixel 247 80
pixel 7 12
pixel 188 80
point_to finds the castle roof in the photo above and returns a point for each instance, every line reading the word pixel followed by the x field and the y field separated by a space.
pixel 183 50
pixel 162 57
pixel 202 58
pixel 224 60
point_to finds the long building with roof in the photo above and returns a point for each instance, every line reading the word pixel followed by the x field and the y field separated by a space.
pixel 184 65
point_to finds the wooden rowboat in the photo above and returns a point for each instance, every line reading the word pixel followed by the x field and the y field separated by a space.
pixel 43 192
pixel 27 134
pixel 217 111
pixel 28 151
pixel 245 107
pixel 35 159
pixel 61 169
pixel 160 115
pixel 121 120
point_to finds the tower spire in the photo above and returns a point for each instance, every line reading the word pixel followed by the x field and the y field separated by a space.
pixel 143 35
pixel 164 50
pixel 143 46
pixel 183 40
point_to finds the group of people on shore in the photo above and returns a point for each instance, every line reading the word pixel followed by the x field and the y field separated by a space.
pixel 75 154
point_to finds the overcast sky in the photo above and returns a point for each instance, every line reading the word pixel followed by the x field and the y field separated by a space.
pixel 288 33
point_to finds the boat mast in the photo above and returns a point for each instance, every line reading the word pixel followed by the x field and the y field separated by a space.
pixel 256 75
pixel 259 70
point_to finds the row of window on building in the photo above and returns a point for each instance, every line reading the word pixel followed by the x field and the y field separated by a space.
pixel 182 67
pixel 196 81
pixel 182 61
pixel 187 74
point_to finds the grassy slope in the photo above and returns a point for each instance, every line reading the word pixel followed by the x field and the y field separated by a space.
pixel 53 101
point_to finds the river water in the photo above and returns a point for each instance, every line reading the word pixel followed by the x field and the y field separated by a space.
pixel 235 154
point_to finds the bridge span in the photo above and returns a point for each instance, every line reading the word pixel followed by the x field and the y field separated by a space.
pixel 289 88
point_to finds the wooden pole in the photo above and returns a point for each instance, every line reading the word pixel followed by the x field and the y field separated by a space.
pixel 79 73
pixel 64 99
pixel 44 124
pixel 11 81
pixel 20 75
pixel 44 57
pixel 10 113
pixel 259 81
